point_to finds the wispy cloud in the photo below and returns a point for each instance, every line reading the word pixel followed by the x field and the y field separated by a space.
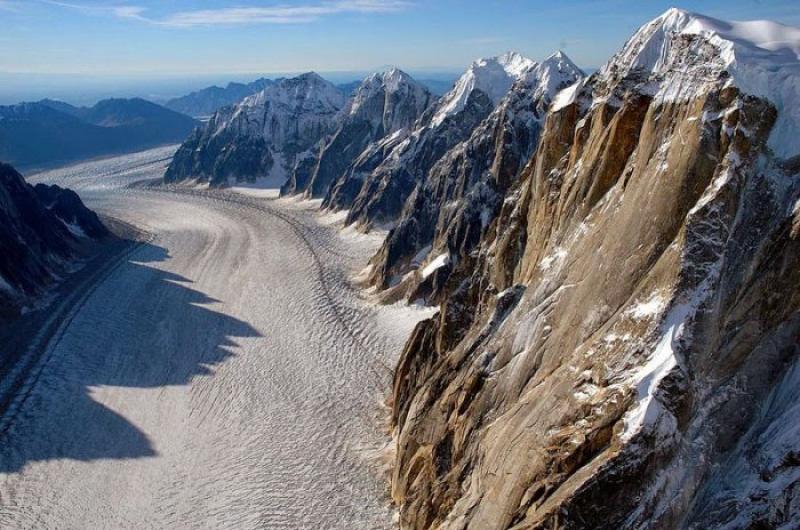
pixel 276 14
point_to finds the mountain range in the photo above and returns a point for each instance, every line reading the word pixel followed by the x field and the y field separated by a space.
pixel 613 259
pixel 205 102
pixel 50 132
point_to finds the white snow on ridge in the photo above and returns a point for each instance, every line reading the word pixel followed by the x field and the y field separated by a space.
pixel 762 58
pixel 493 76
pixel 436 263
pixel 567 96
pixel 552 75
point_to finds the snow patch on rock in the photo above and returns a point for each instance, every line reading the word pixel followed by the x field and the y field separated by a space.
pixel 436 263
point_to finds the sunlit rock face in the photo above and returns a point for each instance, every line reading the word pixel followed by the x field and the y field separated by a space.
pixel 619 349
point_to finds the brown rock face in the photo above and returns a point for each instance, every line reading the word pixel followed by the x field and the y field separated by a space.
pixel 620 350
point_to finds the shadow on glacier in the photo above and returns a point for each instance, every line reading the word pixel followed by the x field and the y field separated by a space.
pixel 143 329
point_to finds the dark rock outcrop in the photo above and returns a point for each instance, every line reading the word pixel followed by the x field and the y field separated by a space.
pixel 42 229
pixel 450 210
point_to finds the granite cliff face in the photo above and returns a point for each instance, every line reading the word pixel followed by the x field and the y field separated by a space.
pixel 41 231
pixel 264 138
pixel 620 347
pixel 384 104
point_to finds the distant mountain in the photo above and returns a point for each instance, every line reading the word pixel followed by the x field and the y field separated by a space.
pixel 48 132
pixel 264 137
pixel 207 101
pixel 41 231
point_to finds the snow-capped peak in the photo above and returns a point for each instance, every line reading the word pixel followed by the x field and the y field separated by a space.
pixel 552 75
pixel 392 81
pixel 493 76
pixel 306 89
pixel 761 57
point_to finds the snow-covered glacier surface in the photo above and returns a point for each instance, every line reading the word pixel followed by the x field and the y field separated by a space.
pixel 226 375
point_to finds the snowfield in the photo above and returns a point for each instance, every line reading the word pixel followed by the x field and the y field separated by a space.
pixel 225 375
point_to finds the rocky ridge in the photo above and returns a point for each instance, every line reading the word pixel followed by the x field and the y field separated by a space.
pixel 384 104
pixel 42 229
pixel 264 138
pixel 374 191
pixel 621 350
pixel 449 211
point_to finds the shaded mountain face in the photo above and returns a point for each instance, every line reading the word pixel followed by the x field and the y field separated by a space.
pixel 620 349
pixel 262 138
pixel 41 231
pixel 383 104
pixel 377 198
pixel 209 100
pixel 49 132
pixel 450 210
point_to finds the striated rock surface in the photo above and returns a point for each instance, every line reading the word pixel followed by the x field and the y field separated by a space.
pixel 621 348
pixel 41 230
pixel 383 191
pixel 263 138
pixel 382 105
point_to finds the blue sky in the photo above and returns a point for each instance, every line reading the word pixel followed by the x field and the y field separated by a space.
pixel 180 37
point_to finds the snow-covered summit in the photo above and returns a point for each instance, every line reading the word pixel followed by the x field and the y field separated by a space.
pixel 390 83
pixel 552 75
pixel 493 76
pixel 309 89
pixel 681 51
pixel 262 137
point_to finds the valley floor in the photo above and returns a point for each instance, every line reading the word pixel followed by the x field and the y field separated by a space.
pixel 225 375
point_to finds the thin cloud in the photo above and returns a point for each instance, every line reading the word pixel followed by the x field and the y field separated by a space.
pixel 278 14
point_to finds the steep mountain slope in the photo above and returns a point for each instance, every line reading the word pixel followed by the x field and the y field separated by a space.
pixel 264 137
pixel 209 100
pixel 448 212
pixel 383 104
pixel 49 131
pixel 378 196
pixel 41 229
pixel 621 350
